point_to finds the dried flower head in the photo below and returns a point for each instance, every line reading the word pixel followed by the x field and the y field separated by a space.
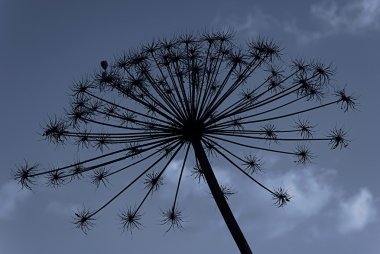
pixel 269 131
pixel 338 138
pixel 281 197
pixel 184 99
pixel 84 220
pixel 100 177
pixel 227 191
pixel 347 102
pixel 305 128
pixel 153 181
pixel 303 154
pixel 172 217
pixel 55 178
pixel 55 131
pixel 253 164
pixel 130 220
pixel 24 175
pixel 197 173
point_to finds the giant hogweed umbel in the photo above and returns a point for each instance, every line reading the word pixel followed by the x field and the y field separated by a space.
pixel 174 100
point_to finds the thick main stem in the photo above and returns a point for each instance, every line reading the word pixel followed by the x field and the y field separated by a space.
pixel 220 200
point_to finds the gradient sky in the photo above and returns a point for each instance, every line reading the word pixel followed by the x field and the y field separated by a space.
pixel 46 45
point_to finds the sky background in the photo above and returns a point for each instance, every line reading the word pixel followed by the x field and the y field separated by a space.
pixel 46 45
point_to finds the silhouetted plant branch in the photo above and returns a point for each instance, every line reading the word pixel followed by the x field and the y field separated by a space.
pixel 190 93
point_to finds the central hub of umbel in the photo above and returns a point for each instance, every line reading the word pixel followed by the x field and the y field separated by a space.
pixel 192 130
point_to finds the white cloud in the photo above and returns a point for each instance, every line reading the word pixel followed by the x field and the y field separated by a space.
pixel 321 202
pixel 357 212
pixel 189 185
pixel 256 19
pixel 249 24
pixel 353 16
pixel 310 188
pixel 312 192
pixel 328 17
pixel 10 196
pixel 316 201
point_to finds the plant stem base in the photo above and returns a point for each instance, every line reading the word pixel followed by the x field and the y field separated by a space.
pixel 219 198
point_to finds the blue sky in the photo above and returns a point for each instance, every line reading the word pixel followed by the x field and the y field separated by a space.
pixel 46 45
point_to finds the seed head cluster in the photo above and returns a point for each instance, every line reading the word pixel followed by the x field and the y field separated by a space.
pixel 151 105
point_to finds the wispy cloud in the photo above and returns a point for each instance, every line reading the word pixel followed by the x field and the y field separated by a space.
pixel 316 200
pixel 352 16
pixel 251 24
pixel 311 190
pixel 357 212
pixel 349 17
pixel 312 193
pixel 328 18
pixel 10 196
pixel 321 202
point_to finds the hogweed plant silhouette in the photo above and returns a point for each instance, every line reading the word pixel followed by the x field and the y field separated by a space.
pixel 187 98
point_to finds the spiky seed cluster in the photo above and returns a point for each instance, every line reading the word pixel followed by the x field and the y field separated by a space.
pixel 100 177
pixel 151 105
pixel 25 175
pixel 173 218
pixel 303 154
pixel 253 164
pixel 227 191
pixel 269 131
pixel 338 138
pixel 55 178
pixel 153 181
pixel 76 171
pixel 55 131
pixel 197 173
pixel 130 220
pixel 281 197
pixel 84 220
pixel 305 128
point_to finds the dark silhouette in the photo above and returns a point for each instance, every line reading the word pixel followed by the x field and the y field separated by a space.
pixel 192 93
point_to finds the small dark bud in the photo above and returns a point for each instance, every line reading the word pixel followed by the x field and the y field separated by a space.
pixel 104 64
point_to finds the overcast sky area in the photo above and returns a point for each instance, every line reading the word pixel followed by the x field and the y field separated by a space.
pixel 46 45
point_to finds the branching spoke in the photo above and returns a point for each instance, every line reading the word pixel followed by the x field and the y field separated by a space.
pixel 276 138
pixel 134 181
pixel 254 147
pixel 128 109
pixel 242 170
pixel 180 176
pixel 141 152
pixel 291 114
pixel 157 178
